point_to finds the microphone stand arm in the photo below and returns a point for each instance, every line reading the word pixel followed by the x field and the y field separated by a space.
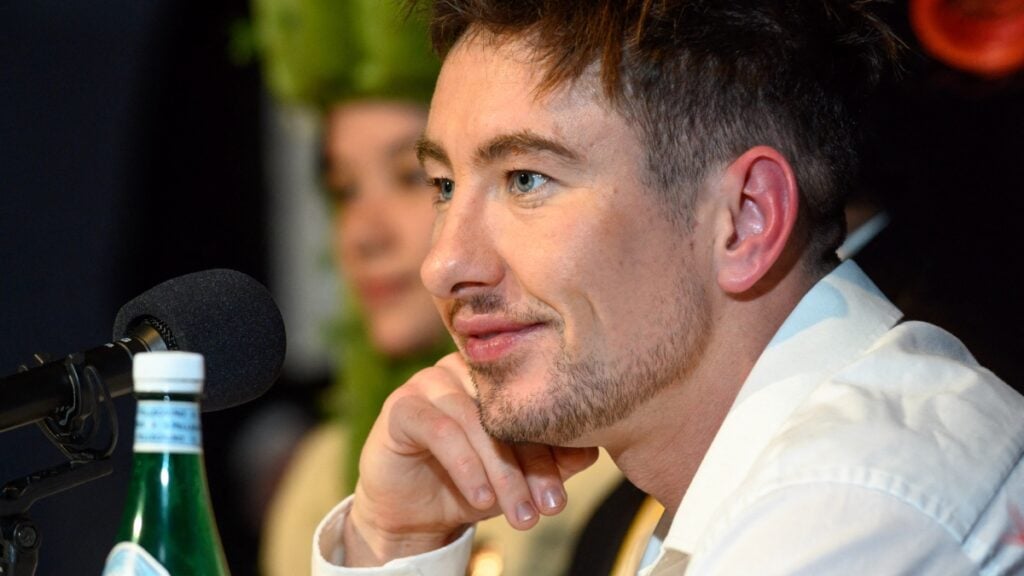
pixel 74 431
pixel 19 537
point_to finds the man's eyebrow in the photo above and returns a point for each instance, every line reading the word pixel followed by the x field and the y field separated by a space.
pixel 428 149
pixel 524 142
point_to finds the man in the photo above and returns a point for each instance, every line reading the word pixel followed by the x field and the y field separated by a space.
pixel 638 206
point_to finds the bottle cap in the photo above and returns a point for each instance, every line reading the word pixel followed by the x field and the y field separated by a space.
pixel 170 372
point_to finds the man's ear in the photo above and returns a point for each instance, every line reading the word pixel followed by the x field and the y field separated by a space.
pixel 762 199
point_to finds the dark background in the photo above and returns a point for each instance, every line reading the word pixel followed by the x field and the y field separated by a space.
pixel 130 153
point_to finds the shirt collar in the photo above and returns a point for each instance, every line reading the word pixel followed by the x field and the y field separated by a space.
pixel 840 317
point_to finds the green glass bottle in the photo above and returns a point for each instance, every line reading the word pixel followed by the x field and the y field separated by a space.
pixel 168 526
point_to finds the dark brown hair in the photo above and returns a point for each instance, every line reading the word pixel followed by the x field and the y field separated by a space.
pixel 705 80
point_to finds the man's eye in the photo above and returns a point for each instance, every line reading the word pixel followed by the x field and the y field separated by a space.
pixel 524 182
pixel 445 188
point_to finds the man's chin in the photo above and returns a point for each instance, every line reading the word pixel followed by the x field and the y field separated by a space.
pixel 514 434
pixel 511 419
pixel 508 381
pixel 532 419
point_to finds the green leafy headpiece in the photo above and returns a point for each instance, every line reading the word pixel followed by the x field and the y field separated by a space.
pixel 318 52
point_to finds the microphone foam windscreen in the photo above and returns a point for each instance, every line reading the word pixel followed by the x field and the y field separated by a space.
pixel 227 317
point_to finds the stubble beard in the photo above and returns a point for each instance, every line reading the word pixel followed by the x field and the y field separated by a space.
pixel 583 394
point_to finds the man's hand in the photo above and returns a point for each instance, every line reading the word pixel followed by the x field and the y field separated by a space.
pixel 428 469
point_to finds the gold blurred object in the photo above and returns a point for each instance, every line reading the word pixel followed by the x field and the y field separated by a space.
pixel 631 552
pixel 485 561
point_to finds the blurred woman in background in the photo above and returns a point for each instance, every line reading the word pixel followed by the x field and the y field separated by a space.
pixel 382 217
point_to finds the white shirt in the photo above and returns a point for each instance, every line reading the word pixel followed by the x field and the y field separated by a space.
pixel 855 446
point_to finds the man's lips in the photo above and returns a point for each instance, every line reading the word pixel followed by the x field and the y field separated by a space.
pixel 489 338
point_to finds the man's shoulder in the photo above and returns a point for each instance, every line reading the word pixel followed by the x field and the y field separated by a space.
pixel 914 417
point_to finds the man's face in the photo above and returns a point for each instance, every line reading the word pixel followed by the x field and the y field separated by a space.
pixel 571 295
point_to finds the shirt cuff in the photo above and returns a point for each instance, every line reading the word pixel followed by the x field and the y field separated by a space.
pixel 328 554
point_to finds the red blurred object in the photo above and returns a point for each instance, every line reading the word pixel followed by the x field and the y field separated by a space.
pixel 984 37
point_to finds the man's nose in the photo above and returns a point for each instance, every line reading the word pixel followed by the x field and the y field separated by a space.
pixel 462 258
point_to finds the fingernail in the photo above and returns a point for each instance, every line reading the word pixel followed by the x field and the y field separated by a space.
pixel 525 512
pixel 484 495
pixel 552 498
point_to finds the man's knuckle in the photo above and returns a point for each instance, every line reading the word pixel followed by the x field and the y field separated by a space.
pixel 464 464
pixel 444 429
pixel 505 478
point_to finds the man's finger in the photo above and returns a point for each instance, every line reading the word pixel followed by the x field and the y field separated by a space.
pixel 418 424
pixel 571 461
pixel 542 476
pixel 502 467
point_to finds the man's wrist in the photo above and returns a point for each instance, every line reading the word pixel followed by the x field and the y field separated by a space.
pixel 366 544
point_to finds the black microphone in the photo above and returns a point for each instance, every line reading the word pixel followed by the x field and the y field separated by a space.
pixel 224 315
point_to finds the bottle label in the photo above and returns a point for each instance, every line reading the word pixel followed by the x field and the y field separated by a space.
pixel 130 559
pixel 168 426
